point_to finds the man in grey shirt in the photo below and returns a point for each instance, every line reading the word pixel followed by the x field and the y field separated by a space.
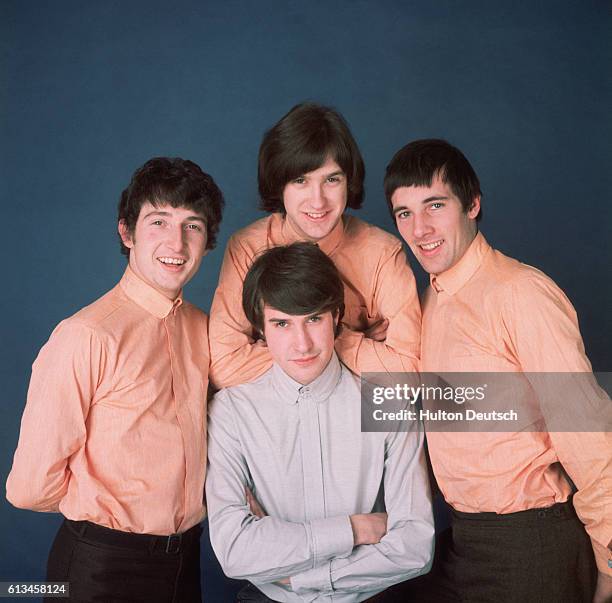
pixel 300 501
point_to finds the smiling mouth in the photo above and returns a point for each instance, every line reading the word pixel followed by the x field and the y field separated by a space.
pixel 171 261
pixel 431 246
pixel 319 215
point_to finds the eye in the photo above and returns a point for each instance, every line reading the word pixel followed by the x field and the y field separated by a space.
pixel 402 215
pixel 298 180
pixel 281 323
pixel 157 223
pixel 335 178
pixel 437 205
pixel 193 226
pixel 315 318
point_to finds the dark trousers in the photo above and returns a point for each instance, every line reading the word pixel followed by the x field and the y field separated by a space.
pixel 534 556
pixel 251 594
pixel 105 565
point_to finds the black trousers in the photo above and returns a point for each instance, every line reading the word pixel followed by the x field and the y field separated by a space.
pixel 251 594
pixel 105 565
pixel 535 556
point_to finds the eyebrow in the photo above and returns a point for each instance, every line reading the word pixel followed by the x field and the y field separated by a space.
pixel 167 213
pixel 291 316
pixel 423 202
pixel 276 320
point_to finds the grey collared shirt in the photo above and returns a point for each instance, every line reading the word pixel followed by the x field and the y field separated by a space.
pixel 301 451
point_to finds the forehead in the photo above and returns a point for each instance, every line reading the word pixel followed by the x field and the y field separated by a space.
pixel 405 196
pixel 166 210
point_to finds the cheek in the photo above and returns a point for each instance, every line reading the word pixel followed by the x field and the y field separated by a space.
pixel 197 247
pixel 150 237
pixel 290 199
pixel 274 343
pixel 404 230
pixel 325 337
pixel 340 197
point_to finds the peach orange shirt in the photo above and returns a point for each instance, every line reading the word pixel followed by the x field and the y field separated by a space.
pixel 378 283
pixel 490 313
pixel 114 429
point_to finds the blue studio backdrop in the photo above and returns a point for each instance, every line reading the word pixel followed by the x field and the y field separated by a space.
pixel 91 90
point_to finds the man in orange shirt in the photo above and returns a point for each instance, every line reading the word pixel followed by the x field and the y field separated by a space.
pixel 113 435
pixel 310 171
pixel 515 535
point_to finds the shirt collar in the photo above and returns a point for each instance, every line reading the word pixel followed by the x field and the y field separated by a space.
pixel 146 296
pixel 289 235
pixel 453 279
pixel 291 392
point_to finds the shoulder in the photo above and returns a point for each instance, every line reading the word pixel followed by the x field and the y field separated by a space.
pixel 251 237
pixel 244 394
pixel 100 315
pixel 349 381
pixel 85 332
pixel 513 278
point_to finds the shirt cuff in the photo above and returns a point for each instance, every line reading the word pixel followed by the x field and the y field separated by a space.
pixel 317 579
pixel 332 537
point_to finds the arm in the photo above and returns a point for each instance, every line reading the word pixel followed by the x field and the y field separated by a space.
pixel 406 551
pixel 235 355
pixel 396 300
pixel 266 549
pixel 64 380
pixel 546 340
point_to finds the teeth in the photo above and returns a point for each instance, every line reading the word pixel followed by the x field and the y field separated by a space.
pixel 430 246
pixel 175 261
pixel 318 215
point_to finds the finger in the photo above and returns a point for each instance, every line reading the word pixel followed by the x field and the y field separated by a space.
pixel 378 336
pixel 378 331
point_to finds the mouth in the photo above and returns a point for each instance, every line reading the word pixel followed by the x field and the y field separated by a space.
pixel 430 248
pixel 305 361
pixel 316 216
pixel 171 262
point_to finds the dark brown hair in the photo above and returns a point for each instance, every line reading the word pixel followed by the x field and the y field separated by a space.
pixel 296 279
pixel 420 161
pixel 301 142
pixel 176 182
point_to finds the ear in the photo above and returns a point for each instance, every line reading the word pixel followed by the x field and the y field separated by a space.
pixel 124 233
pixel 474 209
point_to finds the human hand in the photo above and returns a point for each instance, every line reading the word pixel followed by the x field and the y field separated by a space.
pixel 368 528
pixel 378 331
pixel 254 505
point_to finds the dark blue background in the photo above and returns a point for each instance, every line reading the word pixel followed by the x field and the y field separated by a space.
pixel 90 90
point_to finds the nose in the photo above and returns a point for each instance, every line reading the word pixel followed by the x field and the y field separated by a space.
pixel 317 195
pixel 175 238
pixel 421 226
pixel 302 341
